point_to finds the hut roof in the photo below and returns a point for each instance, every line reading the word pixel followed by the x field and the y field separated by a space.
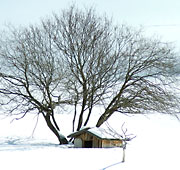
pixel 98 132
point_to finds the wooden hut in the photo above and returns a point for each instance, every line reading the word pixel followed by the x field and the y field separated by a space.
pixel 95 138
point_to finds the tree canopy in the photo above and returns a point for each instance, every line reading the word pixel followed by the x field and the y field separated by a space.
pixel 83 60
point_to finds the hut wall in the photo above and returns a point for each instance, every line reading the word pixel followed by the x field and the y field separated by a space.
pixel 97 143
pixel 91 141
pixel 111 143
pixel 85 137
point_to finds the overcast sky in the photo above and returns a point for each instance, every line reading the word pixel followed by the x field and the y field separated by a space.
pixel 156 16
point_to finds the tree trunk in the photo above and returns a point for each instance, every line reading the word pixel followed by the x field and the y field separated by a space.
pixel 74 118
pixel 80 121
pixel 61 138
pixel 81 116
pixel 124 152
pixel 55 123
pixel 104 117
pixel 112 107
pixel 89 114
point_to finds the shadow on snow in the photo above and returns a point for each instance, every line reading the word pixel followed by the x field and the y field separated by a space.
pixel 15 143
pixel 111 165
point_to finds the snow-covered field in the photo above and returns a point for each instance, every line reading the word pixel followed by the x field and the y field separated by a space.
pixel 156 147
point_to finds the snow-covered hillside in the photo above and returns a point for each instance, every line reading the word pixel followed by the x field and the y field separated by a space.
pixel 156 147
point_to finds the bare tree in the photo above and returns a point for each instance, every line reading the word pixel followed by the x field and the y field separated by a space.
pixel 124 136
pixel 86 42
pixel 114 66
pixel 31 76
pixel 145 84
pixel 81 59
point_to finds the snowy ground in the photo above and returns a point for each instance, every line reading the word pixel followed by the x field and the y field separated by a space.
pixel 156 147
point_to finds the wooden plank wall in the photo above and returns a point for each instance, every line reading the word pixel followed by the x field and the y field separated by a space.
pixel 99 143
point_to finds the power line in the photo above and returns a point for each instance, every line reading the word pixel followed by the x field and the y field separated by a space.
pixel 163 25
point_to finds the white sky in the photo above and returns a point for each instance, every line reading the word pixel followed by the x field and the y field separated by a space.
pixel 157 16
